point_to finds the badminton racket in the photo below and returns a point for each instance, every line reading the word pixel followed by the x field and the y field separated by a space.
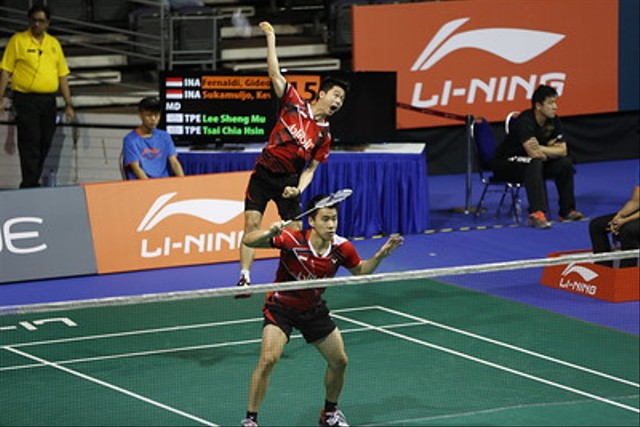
pixel 326 202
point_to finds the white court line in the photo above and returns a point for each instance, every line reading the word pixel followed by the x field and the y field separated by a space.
pixel 166 329
pixel 179 349
pixel 491 364
pixel 509 346
pixel 113 387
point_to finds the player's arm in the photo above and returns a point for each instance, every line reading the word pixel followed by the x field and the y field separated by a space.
pixel 277 79
pixel 262 238
pixel 368 266
pixel 305 179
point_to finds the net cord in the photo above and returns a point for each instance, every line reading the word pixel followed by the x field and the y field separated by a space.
pixel 319 283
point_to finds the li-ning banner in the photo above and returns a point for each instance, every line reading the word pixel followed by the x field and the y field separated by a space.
pixel 169 222
pixel 486 57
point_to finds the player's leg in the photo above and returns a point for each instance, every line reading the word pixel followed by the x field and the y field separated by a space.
pixel 332 349
pixel 252 222
pixel 273 342
pixel 257 196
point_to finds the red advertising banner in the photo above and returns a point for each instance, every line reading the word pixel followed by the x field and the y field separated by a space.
pixel 486 57
pixel 168 222
pixel 593 280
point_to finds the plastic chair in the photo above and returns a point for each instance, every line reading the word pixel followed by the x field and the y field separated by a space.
pixel 485 145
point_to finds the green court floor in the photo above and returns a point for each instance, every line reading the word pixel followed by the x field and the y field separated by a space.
pixel 422 353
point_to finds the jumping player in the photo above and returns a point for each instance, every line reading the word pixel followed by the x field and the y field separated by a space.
pixel 306 255
pixel 298 143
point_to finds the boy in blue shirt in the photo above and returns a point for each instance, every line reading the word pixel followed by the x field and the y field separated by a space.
pixel 149 152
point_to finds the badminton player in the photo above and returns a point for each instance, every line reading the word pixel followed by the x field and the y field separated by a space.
pixel 306 255
pixel 298 143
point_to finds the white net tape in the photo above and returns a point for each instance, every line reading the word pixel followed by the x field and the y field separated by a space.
pixel 586 257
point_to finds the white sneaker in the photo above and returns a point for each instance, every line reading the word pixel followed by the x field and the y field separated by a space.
pixel 243 282
pixel 334 418
pixel 248 422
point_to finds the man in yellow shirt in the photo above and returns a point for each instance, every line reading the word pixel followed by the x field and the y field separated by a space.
pixel 34 62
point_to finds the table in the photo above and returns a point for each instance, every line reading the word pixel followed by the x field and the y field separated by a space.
pixel 389 182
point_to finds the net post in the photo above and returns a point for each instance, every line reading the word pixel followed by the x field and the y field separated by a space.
pixel 468 186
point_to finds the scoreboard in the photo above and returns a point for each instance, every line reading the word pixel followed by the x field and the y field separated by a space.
pixel 210 108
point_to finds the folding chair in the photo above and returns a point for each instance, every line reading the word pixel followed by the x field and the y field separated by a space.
pixel 507 121
pixel 485 144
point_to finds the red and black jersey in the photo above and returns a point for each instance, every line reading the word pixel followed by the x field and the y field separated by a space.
pixel 299 261
pixel 296 137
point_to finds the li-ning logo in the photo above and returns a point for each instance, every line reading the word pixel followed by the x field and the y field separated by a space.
pixel 214 211
pixel 512 44
pixel 581 286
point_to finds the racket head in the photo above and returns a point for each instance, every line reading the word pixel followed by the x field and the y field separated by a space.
pixel 334 198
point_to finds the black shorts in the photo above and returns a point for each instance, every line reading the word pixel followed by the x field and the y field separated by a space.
pixel 264 186
pixel 314 324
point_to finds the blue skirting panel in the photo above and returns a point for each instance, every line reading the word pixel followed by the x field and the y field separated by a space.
pixel 390 192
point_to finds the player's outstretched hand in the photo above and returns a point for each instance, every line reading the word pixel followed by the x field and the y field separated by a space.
pixel 266 27
pixel 391 245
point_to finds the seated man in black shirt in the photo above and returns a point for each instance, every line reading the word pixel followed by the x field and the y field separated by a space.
pixel 535 150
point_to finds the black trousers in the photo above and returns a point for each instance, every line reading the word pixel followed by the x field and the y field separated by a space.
pixel 629 238
pixel 36 124
pixel 533 176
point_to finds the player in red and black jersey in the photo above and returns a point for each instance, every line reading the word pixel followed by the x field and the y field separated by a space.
pixel 305 255
pixel 298 143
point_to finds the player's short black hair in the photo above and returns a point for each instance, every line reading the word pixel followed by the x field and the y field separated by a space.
pixel 328 82
pixel 150 103
pixel 541 94
pixel 39 7
pixel 312 204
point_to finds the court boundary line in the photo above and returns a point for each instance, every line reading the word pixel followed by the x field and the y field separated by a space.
pixel 509 346
pixel 363 327
pixel 112 387
pixel 394 312
pixel 165 329
pixel 187 348
pixel 490 364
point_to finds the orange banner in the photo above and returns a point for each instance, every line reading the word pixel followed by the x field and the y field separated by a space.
pixel 486 57
pixel 169 222
pixel 593 280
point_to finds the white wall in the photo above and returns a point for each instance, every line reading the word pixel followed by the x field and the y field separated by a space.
pixel 77 154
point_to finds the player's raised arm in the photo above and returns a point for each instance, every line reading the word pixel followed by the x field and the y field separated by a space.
pixel 277 79
pixel 262 238
pixel 368 266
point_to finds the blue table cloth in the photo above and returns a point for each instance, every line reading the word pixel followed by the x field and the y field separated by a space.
pixel 390 192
